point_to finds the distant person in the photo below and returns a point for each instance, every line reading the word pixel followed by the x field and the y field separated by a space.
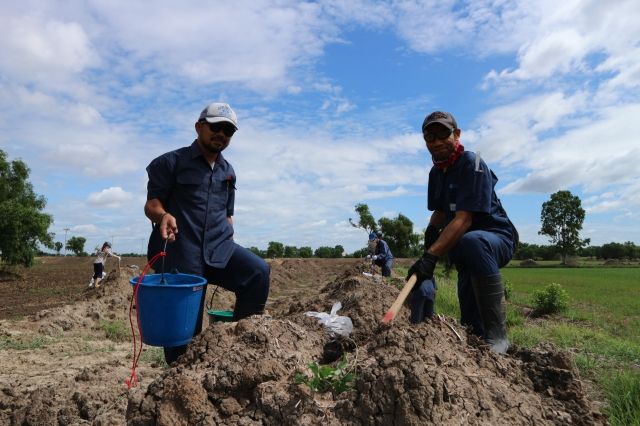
pixel 469 223
pixel 98 264
pixel 190 200
pixel 380 254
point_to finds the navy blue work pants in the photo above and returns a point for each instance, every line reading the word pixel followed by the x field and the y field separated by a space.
pixel 247 275
pixel 480 254
pixel 386 268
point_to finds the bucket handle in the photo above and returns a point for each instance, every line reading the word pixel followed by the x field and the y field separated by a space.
pixel 210 304
pixel 162 280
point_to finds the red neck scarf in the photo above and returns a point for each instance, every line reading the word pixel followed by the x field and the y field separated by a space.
pixel 452 158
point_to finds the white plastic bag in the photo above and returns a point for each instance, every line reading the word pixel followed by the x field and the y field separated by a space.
pixel 335 324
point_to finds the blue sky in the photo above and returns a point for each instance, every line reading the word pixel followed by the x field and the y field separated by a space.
pixel 330 97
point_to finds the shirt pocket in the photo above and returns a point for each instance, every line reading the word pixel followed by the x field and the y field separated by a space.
pixel 220 192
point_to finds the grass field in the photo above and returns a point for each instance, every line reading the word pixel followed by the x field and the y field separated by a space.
pixel 601 326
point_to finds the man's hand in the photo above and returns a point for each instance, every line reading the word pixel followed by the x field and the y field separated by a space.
pixel 168 227
pixel 423 268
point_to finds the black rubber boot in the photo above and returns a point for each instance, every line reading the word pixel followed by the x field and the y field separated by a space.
pixel 489 293
pixel 244 310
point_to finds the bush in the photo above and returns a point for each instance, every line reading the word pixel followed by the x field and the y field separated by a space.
pixel 553 298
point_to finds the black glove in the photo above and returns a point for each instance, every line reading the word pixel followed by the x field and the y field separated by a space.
pixel 431 234
pixel 423 267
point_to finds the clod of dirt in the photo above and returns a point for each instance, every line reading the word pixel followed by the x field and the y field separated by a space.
pixel 432 373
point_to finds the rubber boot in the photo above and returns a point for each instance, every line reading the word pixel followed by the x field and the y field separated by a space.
pixel 244 310
pixel 489 294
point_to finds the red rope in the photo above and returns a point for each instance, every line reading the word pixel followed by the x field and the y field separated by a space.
pixel 132 381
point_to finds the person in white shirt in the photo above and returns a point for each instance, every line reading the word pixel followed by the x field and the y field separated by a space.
pixel 98 264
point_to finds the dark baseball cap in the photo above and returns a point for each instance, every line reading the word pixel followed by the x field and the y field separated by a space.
pixel 444 118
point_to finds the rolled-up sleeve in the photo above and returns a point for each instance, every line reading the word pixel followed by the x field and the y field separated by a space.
pixel 160 172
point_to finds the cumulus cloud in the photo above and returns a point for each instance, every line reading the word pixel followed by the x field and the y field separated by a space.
pixel 114 197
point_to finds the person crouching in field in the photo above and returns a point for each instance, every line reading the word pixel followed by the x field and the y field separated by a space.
pixel 469 223
pixel 98 264
pixel 380 254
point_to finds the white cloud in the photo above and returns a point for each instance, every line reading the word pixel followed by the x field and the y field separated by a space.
pixel 84 229
pixel 114 197
pixel 43 51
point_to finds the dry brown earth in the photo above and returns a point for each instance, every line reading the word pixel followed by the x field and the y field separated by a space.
pixel 243 373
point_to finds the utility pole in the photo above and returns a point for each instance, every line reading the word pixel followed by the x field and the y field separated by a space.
pixel 65 240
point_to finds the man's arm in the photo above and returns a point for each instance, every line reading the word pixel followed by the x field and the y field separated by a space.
pixel 155 211
pixel 451 233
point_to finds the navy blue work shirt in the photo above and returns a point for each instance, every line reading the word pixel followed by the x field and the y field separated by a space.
pixel 468 185
pixel 383 252
pixel 201 198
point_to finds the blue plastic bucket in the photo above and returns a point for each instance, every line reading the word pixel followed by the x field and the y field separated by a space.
pixel 168 312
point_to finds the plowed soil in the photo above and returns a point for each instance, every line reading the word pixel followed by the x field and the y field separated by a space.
pixel 60 367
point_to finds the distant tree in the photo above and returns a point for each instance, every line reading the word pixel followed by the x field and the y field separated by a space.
pixel 613 251
pixel 363 252
pixel 305 252
pixel 76 245
pixel 58 246
pixel 275 249
pixel 258 252
pixel 562 217
pixel 291 251
pixel 591 251
pixel 23 225
pixel 631 251
pixel 398 233
pixel 338 251
pixel 365 219
pixel 324 252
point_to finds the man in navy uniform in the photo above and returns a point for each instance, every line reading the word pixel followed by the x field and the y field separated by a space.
pixel 380 253
pixel 469 223
pixel 190 200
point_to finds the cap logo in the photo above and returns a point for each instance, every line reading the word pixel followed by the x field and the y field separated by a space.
pixel 224 111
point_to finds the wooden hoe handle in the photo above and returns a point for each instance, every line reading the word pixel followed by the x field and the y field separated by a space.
pixel 393 310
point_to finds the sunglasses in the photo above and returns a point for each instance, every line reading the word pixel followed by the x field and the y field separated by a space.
pixel 438 134
pixel 227 128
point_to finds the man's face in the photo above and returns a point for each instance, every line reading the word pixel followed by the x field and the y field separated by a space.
pixel 214 137
pixel 441 141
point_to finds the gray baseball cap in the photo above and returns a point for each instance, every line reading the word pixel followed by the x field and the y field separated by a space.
pixel 217 112
pixel 444 118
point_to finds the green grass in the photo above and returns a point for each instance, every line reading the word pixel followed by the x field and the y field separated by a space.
pixel 35 343
pixel 153 355
pixel 601 325
pixel 117 331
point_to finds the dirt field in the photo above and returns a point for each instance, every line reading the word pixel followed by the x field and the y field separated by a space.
pixel 60 367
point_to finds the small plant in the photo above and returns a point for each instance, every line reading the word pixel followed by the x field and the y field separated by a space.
pixel 154 355
pixel 116 331
pixel 328 378
pixel 508 289
pixel 553 298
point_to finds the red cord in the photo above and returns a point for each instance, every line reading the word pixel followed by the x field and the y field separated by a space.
pixel 132 381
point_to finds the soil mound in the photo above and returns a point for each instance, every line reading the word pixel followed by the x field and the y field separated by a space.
pixel 528 262
pixel 432 373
